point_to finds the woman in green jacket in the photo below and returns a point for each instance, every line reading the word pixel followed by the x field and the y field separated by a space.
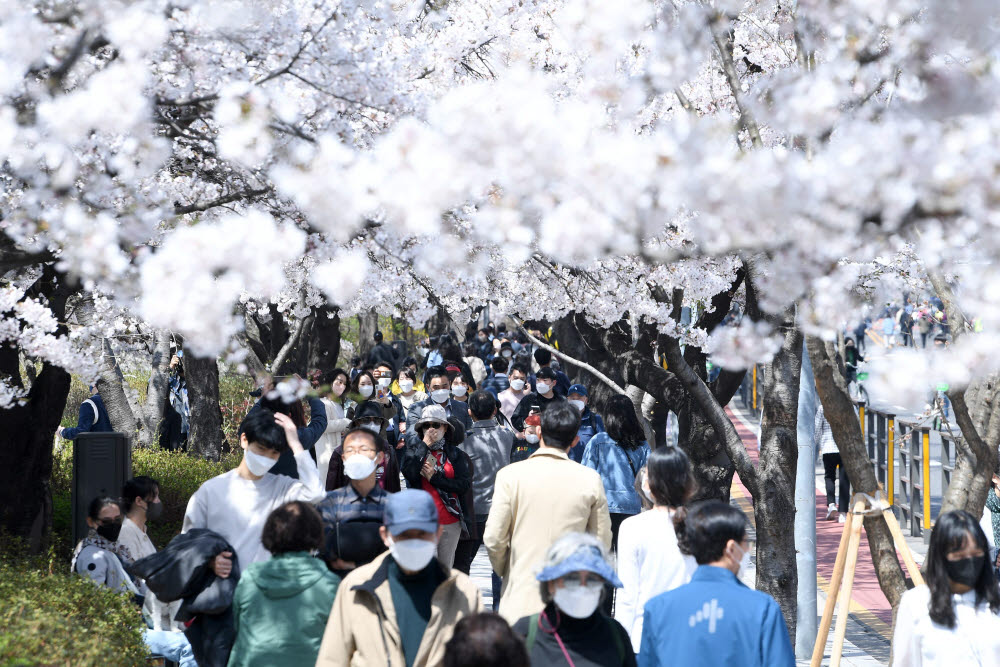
pixel 281 605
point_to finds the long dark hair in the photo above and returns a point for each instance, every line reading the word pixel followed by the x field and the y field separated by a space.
pixel 949 535
pixel 621 423
pixel 328 378
pixel 669 474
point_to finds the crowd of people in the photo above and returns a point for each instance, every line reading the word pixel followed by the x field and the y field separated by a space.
pixel 347 537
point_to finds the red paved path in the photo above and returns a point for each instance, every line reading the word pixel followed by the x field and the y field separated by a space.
pixel 866 594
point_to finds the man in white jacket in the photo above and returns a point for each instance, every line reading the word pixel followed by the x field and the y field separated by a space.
pixel 237 503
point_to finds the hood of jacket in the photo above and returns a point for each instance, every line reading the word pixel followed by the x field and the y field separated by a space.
pixel 286 575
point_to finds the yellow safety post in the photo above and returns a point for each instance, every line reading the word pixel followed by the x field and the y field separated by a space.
pixel 926 461
pixel 890 463
pixel 755 386
pixel 861 417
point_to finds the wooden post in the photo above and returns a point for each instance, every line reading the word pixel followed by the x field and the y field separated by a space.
pixel 848 585
pixel 831 598
pixel 903 547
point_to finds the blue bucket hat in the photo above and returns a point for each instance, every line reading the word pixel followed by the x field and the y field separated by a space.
pixel 587 558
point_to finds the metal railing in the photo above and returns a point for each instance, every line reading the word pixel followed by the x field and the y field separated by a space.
pixel 915 476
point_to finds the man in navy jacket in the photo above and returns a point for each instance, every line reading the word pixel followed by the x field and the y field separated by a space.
pixel 93 416
pixel 715 620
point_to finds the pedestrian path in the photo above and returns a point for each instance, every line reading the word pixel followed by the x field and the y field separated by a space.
pixel 869 629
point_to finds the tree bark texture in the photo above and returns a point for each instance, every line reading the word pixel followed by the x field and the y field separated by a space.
pixel 831 386
pixel 206 437
pixel 324 340
pixel 157 391
pixel 774 504
pixel 367 326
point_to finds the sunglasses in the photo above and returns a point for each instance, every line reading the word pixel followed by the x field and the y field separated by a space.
pixel 435 425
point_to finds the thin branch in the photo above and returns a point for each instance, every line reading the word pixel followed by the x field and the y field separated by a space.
pixel 221 201
pixel 565 357
pixel 723 43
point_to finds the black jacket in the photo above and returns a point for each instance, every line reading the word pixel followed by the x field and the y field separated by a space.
pixel 459 410
pixel 532 401
pixel 460 484
pixel 183 570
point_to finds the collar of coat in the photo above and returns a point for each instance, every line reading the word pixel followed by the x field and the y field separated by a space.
pixel 551 452
pixel 381 575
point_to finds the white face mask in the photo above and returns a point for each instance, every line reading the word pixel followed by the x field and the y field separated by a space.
pixel 531 437
pixel 507 354
pixel 359 466
pixel 517 385
pixel 412 555
pixel 365 390
pixel 384 382
pixel 542 387
pixel 440 395
pixel 373 427
pixel 405 386
pixel 257 464
pixel 459 390
pixel 579 405
pixel 579 601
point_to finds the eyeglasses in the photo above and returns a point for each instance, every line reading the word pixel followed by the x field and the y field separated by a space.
pixel 359 450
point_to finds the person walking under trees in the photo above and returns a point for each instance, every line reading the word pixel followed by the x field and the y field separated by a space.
pixel 402 608
pixel 534 503
pixel 953 618
pixel 715 620
pixel 823 437
pixel 617 455
pixel 649 559
pixel 336 419
pixel 93 416
pixel 438 467
pixel 572 629
pixel 281 606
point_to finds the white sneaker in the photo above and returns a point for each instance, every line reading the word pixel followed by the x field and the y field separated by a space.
pixel 842 518
pixel 831 512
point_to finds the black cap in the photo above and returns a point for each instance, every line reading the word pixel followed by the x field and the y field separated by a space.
pixel 378 336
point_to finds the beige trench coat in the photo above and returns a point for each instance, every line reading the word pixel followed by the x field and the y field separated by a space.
pixel 534 503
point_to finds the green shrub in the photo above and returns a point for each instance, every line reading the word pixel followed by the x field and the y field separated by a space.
pixel 179 476
pixel 51 617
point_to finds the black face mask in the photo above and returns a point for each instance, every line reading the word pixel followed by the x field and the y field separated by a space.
pixel 110 531
pixel 154 511
pixel 965 571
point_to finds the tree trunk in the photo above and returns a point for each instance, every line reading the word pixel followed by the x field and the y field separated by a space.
pixel 831 387
pixel 156 391
pixel 774 505
pixel 202 374
pixel 367 326
pixel 27 432
pixel 116 402
pixel 324 344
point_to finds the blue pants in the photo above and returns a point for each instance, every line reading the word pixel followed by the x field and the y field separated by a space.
pixel 170 645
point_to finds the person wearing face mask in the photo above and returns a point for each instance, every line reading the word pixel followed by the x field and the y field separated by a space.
pixel 335 402
pixel 715 619
pixel 368 416
pixel 411 364
pixel 538 400
pixel 383 375
pixel 953 618
pixel 353 513
pixel 141 501
pixel 235 504
pixel 459 389
pixel 401 608
pixel 527 444
pixel 572 629
pixel 436 465
pixel 544 360
pixel 512 395
pixel 102 558
pixel 591 423
pixel 407 393
pixel 369 388
pixel 438 384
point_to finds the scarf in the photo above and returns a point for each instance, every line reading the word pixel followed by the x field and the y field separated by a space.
pixel 93 539
pixel 449 499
